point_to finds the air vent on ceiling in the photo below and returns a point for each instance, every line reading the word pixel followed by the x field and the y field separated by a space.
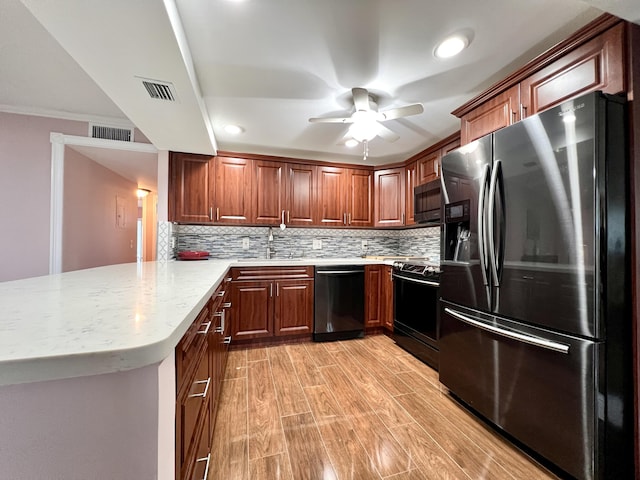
pixel 160 90
pixel 110 133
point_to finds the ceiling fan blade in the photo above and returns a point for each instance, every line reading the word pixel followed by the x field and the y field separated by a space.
pixel 387 134
pixel 399 112
pixel 361 98
pixel 331 120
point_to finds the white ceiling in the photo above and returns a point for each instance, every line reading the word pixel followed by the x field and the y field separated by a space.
pixel 269 65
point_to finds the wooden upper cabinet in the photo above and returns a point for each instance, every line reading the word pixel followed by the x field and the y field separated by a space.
pixel 191 180
pixel 269 191
pixel 410 173
pixel 331 191
pixel 428 167
pixel 300 194
pixel 592 59
pixel 390 197
pixel 360 198
pixel 232 194
pixel 344 197
pixel 499 112
pixel 596 65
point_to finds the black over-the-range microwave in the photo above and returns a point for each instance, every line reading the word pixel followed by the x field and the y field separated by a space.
pixel 426 202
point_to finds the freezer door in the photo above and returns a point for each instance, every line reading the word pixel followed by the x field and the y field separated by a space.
pixel 538 386
pixel 548 238
pixel 465 181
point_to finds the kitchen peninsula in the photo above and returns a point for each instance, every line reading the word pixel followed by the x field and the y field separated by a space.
pixel 87 366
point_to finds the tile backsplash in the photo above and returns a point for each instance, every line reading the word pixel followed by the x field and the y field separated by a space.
pixel 230 242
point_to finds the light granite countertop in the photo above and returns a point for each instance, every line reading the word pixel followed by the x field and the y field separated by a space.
pixel 108 319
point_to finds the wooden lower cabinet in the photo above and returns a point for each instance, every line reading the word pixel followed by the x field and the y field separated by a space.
pixel 201 358
pixel 378 287
pixel 271 302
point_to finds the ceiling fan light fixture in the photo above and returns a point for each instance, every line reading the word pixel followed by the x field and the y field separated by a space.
pixel 451 46
pixel 233 129
pixel 364 126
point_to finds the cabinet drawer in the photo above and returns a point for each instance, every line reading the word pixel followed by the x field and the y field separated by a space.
pixel 271 273
pixel 192 405
pixel 191 344
pixel 201 462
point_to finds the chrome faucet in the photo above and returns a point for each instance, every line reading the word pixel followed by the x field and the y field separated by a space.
pixel 269 244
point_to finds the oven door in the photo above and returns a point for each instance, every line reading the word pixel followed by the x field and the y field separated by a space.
pixel 415 316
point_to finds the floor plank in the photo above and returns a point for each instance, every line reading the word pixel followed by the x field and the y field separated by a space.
pixel 305 367
pixel 276 467
pixel 289 394
pixel 345 450
pixel 309 458
pixel 264 428
pixel 230 453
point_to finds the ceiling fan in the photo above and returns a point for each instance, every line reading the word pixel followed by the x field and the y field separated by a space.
pixel 365 121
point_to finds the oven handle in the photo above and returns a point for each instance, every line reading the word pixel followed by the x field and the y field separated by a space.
pixel 415 280
pixel 530 339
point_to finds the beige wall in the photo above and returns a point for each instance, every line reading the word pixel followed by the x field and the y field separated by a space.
pixel 92 234
pixel 25 191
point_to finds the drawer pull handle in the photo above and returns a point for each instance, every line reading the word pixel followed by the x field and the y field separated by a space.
pixel 206 388
pixel 220 293
pixel 206 328
pixel 227 340
pixel 206 468
pixel 226 305
pixel 221 314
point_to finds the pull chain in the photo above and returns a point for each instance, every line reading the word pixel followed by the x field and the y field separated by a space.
pixel 365 154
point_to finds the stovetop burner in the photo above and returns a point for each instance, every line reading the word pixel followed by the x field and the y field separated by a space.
pixel 420 267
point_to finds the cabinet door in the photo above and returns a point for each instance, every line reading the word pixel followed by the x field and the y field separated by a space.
pixel 596 65
pixel 190 188
pixel 360 198
pixel 373 307
pixel 390 197
pixel 269 191
pixel 232 195
pixel 331 192
pixel 499 112
pixel 293 307
pixel 427 167
pixel 410 183
pixel 447 148
pixel 387 297
pixel 301 198
pixel 252 310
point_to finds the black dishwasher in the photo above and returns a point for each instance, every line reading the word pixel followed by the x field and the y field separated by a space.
pixel 339 302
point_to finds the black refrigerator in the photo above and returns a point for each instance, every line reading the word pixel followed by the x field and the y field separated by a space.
pixel 535 331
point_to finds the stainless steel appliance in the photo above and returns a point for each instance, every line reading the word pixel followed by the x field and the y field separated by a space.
pixel 426 202
pixel 535 320
pixel 339 302
pixel 415 311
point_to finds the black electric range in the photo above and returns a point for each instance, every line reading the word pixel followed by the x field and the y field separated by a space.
pixel 416 323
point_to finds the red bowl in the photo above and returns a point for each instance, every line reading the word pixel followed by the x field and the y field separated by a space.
pixel 193 255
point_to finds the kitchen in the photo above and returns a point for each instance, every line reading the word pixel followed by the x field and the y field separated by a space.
pixel 292 228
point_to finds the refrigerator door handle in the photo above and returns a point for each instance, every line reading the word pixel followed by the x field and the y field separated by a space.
pixel 530 339
pixel 492 205
pixel 482 231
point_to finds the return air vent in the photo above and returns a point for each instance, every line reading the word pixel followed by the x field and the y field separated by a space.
pixel 110 133
pixel 160 90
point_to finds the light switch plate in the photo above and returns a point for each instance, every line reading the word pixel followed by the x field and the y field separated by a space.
pixel 317 244
pixel 245 243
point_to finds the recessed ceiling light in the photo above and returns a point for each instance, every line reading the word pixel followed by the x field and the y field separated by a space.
pixel 233 129
pixel 352 142
pixel 451 46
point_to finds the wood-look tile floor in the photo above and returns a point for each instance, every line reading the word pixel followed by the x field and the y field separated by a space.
pixel 356 409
